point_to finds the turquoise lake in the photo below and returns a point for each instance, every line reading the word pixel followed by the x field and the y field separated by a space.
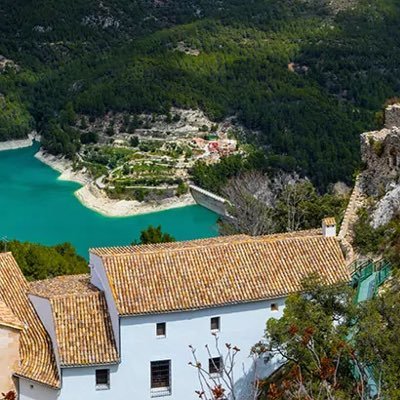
pixel 37 207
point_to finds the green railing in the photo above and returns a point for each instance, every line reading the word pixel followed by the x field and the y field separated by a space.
pixel 360 272
pixel 377 272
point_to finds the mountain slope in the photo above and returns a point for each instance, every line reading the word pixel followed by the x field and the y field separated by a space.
pixel 308 76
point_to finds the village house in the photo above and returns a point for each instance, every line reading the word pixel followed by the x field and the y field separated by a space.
pixel 123 331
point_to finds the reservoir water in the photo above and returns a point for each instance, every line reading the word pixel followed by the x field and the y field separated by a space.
pixel 37 207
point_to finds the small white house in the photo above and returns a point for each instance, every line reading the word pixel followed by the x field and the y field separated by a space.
pixel 123 331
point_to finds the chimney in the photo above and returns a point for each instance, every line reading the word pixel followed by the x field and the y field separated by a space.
pixel 392 116
pixel 329 227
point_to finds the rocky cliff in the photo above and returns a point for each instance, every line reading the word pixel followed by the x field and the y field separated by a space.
pixel 380 179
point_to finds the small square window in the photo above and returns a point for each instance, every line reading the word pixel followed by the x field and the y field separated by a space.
pixel 161 329
pixel 215 324
pixel 102 379
pixel 274 307
pixel 215 366
pixel 160 372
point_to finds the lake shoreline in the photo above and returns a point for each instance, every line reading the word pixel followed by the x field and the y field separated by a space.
pixel 40 208
pixel 95 199
pixel 19 143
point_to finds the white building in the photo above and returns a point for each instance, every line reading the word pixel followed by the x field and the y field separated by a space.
pixel 123 331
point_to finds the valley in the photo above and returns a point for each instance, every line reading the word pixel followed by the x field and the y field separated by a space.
pixel 305 78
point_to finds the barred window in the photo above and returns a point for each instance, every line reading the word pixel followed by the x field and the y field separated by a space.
pixel 215 365
pixel 161 329
pixel 215 323
pixel 102 379
pixel 160 378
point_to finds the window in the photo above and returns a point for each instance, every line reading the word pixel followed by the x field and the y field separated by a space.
pixel 215 366
pixel 102 379
pixel 161 329
pixel 215 324
pixel 274 307
pixel 160 378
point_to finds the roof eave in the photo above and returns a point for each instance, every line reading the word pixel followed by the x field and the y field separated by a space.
pixel 55 387
pixel 98 364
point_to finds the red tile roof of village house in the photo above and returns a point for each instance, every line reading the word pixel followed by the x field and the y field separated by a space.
pixel 37 361
pixel 82 324
pixel 330 221
pixel 220 271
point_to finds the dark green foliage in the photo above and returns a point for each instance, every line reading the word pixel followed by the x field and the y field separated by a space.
pixel 307 207
pixel 182 189
pixel 311 337
pixel 61 140
pixel 377 338
pixel 294 207
pixel 215 177
pixel 89 137
pixel 383 241
pixel 153 235
pixel 42 262
pixel 134 141
pixel 309 119
pixel 323 333
pixel 15 121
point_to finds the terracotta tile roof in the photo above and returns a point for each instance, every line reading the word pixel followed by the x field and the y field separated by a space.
pixel 62 286
pixel 329 221
pixel 36 355
pixel 229 270
pixel 7 318
pixel 104 251
pixel 119 250
pixel 83 327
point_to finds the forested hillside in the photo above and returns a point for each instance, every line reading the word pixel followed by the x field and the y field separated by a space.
pixel 306 76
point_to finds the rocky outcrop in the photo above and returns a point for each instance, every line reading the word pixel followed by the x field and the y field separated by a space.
pixel 380 152
pixel 386 208
pixel 380 180
pixel 392 116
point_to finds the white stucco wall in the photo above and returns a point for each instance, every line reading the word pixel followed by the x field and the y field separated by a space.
pixel 29 390
pixel 99 279
pixel 241 325
pixel 80 383
pixel 45 312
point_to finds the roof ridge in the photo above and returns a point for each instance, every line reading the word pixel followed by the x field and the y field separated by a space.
pixel 96 292
pixel 274 237
pixel 50 297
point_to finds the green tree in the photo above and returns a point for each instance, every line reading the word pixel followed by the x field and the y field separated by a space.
pixel 154 235
pixel 311 337
pixel 68 115
pixel 301 207
pixel 260 205
pixel 134 141
pixel 41 262
pixel 181 189
pixel 377 338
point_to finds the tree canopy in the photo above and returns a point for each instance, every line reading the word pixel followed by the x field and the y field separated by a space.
pixel 331 346
pixel 311 339
pixel 154 235
pixel 42 262
pixel 297 74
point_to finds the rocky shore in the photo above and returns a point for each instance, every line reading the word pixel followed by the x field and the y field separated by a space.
pixel 64 167
pixel 19 144
pixel 95 199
